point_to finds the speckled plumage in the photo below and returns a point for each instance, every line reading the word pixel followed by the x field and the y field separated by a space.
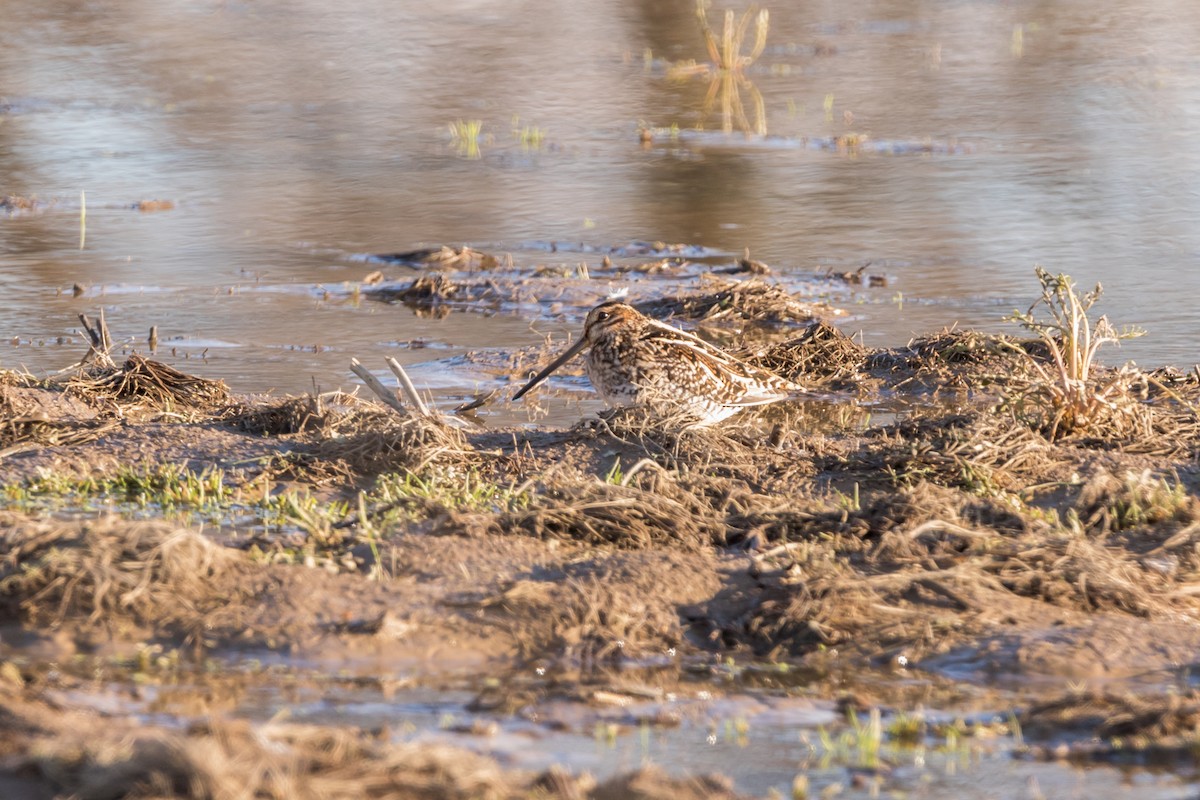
pixel 637 361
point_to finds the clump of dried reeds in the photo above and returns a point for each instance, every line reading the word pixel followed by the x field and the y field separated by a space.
pixel 724 300
pixel 1073 395
pixel 822 353
pixel 141 382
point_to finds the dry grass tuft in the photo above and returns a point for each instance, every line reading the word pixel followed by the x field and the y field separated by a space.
pixel 966 347
pixel 821 354
pixel 288 416
pixel 875 575
pixel 374 440
pixel 326 415
pixel 611 514
pixel 141 383
pixel 445 257
pixel 428 290
pixel 19 432
pixel 955 359
pixel 726 300
pixel 109 570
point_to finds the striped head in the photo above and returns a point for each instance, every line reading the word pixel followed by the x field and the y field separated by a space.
pixel 608 318
pixel 603 322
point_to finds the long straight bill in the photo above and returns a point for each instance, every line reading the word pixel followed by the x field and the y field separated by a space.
pixel 572 351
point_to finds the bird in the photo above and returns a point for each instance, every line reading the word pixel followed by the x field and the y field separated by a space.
pixel 635 360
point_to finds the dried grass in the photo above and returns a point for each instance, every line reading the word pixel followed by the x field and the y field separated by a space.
pixel 18 432
pixel 445 257
pixel 961 360
pixel 325 415
pixel 1075 572
pixel 726 300
pixel 108 570
pixel 142 383
pixel 434 291
pixel 607 514
pixel 373 440
pixel 874 577
pixel 822 354
pixel 1072 394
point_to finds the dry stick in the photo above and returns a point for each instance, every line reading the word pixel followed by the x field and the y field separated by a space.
pixel 639 466
pixel 100 343
pixel 89 330
pixel 381 391
pixel 105 339
pixel 406 384
pixel 1181 537
pixel 778 550
pixel 934 525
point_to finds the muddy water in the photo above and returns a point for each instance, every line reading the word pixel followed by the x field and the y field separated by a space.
pixel 762 741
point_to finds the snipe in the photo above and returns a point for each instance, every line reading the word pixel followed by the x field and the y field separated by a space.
pixel 638 361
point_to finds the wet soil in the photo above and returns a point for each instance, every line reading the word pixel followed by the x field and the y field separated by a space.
pixel 965 542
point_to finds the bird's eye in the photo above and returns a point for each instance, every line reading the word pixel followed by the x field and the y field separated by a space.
pixel 603 315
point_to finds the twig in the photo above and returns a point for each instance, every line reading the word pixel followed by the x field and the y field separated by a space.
pixel 639 466
pixel 481 399
pixel 93 334
pixel 381 391
pixel 935 525
pixel 778 550
pixel 1181 537
pixel 105 339
pixel 101 343
pixel 406 384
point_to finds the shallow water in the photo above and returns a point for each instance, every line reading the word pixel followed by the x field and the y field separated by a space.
pixel 293 137
pixel 761 740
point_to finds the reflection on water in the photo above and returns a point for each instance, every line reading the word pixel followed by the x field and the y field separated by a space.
pixel 727 71
pixel 290 136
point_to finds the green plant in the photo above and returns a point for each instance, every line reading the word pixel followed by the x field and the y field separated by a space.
pixel 1146 500
pixel 727 69
pixel 447 489
pixel 1071 394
